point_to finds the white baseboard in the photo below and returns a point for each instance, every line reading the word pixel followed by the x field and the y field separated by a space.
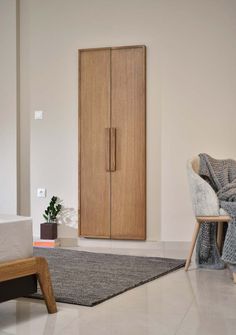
pixel 118 244
pixel 86 242
pixel 68 242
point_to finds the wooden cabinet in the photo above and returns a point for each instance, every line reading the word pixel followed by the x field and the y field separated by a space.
pixel 112 117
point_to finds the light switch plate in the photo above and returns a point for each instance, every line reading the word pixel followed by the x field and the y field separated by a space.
pixel 41 192
pixel 38 115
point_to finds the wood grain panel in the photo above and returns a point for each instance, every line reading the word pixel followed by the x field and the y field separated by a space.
pixel 128 182
pixel 94 91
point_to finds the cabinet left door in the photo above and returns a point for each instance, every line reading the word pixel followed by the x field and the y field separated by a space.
pixel 94 118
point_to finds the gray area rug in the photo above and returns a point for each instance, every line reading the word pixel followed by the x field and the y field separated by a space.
pixel 87 278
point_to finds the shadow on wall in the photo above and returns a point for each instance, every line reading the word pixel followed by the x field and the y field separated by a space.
pixel 68 217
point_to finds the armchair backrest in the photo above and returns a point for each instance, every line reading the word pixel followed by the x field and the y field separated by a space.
pixel 204 198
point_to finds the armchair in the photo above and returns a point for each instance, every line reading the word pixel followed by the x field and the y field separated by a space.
pixel 205 206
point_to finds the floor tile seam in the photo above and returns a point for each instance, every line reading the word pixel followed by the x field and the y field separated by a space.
pixel 184 316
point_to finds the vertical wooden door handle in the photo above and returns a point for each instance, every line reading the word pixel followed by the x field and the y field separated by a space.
pixel 113 150
pixel 108 148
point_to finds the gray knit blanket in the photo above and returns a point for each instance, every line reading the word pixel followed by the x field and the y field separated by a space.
pixel 221 175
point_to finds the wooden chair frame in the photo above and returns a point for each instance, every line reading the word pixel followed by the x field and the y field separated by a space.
pixel 202 219
pixel 30 266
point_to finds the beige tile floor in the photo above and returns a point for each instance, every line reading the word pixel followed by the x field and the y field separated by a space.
pixel 199 302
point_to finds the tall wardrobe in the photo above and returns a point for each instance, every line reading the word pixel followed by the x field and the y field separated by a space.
pixel 112 141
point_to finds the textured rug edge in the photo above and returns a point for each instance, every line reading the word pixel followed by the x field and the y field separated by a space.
pixel 177 267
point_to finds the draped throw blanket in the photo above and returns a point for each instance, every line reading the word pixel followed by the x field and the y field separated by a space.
pixel 221 175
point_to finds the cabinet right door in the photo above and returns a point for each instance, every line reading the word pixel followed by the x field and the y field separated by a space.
pixel 128 117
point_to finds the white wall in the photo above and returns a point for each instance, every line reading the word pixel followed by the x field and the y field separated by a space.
pixel 8 108
pixel 191 90
pixel 24 194
pixel 198 98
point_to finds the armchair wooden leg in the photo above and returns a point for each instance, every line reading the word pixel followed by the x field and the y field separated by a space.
pixel 44 279
pixel 220 235
pixel 234 277
pixel 194 239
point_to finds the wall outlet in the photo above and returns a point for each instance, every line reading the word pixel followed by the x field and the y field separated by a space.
pixel 41 192
pixel 38 115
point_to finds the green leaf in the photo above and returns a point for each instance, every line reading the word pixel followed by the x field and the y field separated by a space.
pixel 52 209
pixel 45 217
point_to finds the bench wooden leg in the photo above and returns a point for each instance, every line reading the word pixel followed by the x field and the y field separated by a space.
pixel 194 239
pixel 44 279
pixel 29 266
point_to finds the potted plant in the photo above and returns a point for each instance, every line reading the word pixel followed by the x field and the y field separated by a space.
pixel 48 230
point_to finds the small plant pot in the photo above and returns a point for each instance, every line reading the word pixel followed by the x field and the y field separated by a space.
pixel 48 231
